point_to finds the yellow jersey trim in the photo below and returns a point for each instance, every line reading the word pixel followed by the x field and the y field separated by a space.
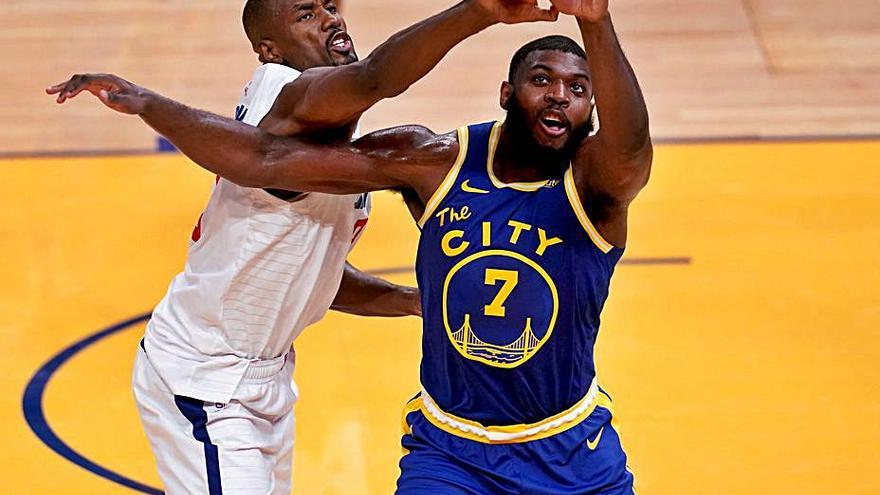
pixel 595 400
pixel 578 206
pixel 411 407
pixel 444 187
pixel 494 136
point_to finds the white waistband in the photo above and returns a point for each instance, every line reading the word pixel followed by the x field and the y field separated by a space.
pixel 264 368
pixel 493 433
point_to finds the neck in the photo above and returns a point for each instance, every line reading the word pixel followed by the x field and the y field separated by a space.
pixel 519 159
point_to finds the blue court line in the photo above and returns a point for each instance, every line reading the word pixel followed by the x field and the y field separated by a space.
pixel 32 405
pixel 32 401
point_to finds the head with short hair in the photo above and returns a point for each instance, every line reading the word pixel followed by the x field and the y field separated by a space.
pixel 299 33
pixel 548 95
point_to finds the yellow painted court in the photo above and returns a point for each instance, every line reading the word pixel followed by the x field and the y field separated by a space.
pixel 751 368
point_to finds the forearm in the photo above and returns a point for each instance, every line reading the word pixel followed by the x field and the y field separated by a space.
pixel 393 67
pixel 366 295
pixel 228 148
pixel 624 115
pixel 410 54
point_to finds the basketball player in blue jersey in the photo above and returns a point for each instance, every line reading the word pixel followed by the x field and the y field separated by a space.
pixel 522 225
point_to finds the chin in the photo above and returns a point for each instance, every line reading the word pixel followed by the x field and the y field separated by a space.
pixel 549 144
pixel 344 59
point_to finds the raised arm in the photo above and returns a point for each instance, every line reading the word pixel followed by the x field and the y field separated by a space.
pixel 410 157
pixel 365 295
pixel 612 167
pixel 393 67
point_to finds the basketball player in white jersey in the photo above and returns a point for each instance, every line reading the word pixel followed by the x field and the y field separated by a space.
pixel 213 376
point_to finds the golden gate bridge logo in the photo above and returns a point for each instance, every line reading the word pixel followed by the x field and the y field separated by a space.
pixel 518 350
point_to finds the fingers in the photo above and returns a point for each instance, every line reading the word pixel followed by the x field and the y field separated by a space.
pixel 69 88
pixel 79 83
pixel 537 14
pixel 551 14
pixel 105 97
pixel 565 6
pixel 51 90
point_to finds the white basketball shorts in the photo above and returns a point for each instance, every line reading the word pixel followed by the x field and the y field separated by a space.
pixel 243 447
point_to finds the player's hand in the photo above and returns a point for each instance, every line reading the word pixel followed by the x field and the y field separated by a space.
pixel 588 10
pixel 516 11
pixel 113 91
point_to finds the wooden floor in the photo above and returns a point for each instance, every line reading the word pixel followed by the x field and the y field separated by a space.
pixel 709 68
pixel 752 369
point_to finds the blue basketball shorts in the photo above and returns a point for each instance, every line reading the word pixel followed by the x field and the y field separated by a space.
pixel 586 459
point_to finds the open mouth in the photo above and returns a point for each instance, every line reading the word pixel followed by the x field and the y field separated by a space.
pixel 554 123
pixel 339 43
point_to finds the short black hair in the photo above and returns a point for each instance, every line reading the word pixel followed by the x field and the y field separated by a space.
pixel 255 13
pixel 554 42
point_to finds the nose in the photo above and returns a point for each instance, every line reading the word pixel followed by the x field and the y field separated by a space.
pixel 557 93
pixel 331 20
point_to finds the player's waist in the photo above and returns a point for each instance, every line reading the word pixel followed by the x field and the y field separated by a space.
pixel 500 434
pixel 212 378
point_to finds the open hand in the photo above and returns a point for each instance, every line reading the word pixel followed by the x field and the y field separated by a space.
pixel 113 91
pixel 516 11
pixel 588 10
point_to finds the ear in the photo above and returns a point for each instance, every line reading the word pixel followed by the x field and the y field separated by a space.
pixel 506 92
pixel 268 52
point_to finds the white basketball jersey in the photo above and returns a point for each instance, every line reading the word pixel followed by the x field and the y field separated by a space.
pixel 259 270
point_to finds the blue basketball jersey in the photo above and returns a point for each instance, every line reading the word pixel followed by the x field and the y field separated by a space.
pixel 513 278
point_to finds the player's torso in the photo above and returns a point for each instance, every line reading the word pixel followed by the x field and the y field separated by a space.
pixel 259 269
pixel 513 280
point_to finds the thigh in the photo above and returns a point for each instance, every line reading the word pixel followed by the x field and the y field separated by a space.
pixel 438 462
pixel 181 459
pixel 424 471
pixel 213 448
pixel 282 474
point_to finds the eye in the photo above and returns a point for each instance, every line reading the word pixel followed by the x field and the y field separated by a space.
pixel 540 79
pixel 331 8
pixel 306 17
pixel 578 88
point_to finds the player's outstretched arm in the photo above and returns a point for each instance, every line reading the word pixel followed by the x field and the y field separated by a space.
pixel 408 157
pixel 331 96
pixel 366 295
pixel 615 86
pixel 612 167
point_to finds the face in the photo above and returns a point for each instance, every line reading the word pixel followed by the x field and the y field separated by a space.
pixel 306 34
pixel 549 100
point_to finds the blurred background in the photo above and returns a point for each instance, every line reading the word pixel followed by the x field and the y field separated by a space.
pixel 740 342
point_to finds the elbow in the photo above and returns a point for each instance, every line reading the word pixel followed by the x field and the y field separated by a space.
pixel 639 147
pixel 268 170
pixel 375 81
pixel 261 169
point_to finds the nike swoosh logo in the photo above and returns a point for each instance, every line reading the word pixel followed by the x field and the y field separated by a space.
pixel 595 443
pixel 466 188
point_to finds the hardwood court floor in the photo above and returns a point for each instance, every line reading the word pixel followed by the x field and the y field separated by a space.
pixel 752 369
pixel 708 67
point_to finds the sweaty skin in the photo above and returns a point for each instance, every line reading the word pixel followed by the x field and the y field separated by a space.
pixel 610 167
